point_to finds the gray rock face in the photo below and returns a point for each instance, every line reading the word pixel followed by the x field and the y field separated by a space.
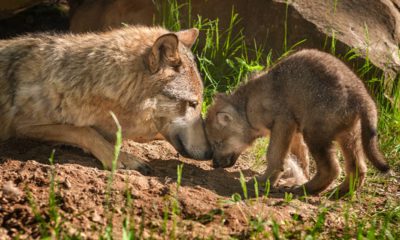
pixel 371 26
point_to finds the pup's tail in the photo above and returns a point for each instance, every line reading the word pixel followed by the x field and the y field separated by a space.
pixel 369 135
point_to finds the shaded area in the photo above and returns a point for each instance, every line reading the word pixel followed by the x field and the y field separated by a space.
pixel 40 18
pixel 160 155
pixel 204 197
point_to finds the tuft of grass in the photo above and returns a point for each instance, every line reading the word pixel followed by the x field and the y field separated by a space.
pixel 175 202
pixel 288 197
pixel 169 14
pixel 243 185
pixel 319 224
pixel 108 198
pixel 267 188
pixel 285 26
pixel 50 220
pixel 256 190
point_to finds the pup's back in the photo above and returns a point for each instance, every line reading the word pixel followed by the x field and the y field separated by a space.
pixel 315 87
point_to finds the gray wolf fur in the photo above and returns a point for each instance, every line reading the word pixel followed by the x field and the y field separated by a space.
pixel 310 93
pixel 62 87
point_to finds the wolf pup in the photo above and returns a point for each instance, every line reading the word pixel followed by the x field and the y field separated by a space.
pixel 311 93
pixel 62 88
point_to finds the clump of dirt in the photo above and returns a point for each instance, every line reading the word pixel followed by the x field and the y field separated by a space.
pixel 205 206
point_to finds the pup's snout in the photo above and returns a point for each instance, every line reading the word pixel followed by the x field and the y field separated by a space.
pixel 215 164
pixel 208 154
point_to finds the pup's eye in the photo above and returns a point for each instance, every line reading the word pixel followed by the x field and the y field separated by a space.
pixel 218 143
pixel 193 104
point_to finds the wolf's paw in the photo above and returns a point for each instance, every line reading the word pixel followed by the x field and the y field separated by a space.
pixel 127 161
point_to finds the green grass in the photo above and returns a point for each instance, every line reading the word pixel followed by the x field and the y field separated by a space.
pixel 224 61
pixel 50 224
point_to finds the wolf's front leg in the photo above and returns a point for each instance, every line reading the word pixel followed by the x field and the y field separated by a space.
pixel 86 138
pixel 280 139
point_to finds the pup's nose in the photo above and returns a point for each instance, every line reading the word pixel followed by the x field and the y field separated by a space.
pixel 208 154
pixel 216 164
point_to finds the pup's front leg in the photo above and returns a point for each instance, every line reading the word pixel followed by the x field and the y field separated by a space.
pixel 281 136
pixel 86 138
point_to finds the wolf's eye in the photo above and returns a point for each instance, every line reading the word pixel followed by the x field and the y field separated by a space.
pixel 177 68
pixel 193 104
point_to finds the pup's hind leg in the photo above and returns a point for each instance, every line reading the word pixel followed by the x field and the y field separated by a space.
pixel 355 166
pixel 328 169
pixel 85 138
pixel 299 149
pixel 296 164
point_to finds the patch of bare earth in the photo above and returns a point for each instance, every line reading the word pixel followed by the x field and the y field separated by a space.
pixel 204 201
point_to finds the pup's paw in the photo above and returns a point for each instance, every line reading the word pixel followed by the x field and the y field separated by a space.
pixel 288 183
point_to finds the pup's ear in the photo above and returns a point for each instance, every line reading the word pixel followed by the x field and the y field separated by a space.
pixel 188 37
pixel 219 96
pixel 164 50
pixel 224 118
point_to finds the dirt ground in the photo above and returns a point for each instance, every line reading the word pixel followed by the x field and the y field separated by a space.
pixel 82 184
pixel 204 198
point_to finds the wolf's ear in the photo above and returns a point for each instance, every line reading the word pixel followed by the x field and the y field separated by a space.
pixel 224 118
pixel 165 49
pixel 188 37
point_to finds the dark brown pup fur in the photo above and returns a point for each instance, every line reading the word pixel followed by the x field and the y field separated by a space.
pixel 310 93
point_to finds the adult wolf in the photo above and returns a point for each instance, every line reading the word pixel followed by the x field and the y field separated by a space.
pixel 309 93
pixel 62 88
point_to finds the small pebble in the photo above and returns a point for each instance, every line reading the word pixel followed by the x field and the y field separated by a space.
pixel 10 190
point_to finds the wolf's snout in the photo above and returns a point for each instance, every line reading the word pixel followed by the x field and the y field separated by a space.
pixel 180 147
pixel 225 161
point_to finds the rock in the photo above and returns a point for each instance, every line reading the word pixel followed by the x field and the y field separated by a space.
pixel 11 191
pixel 67 183
pixel 96 217
pixel 372 27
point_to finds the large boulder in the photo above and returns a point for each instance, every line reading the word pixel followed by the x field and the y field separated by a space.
pixel 372 27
